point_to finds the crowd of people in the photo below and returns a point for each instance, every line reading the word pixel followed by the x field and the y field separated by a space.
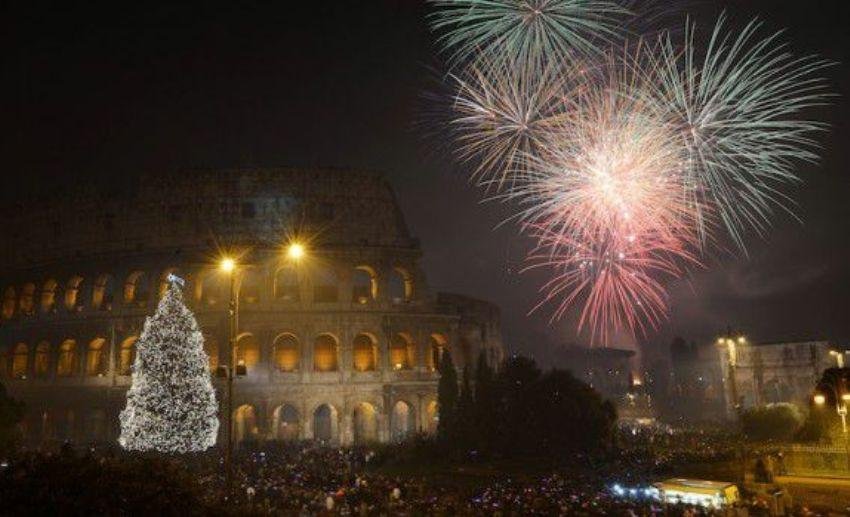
pixel 308 479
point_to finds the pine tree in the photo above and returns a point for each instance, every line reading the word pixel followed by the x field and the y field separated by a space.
pixel 447 397
pixel 485 420
pixel 465 408
pixel 171 404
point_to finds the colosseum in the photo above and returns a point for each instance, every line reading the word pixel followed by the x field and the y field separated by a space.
pixel 339 346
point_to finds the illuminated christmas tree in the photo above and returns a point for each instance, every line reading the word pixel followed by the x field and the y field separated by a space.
pixel 171 404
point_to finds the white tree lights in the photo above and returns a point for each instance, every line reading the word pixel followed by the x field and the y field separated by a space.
pixel 171 405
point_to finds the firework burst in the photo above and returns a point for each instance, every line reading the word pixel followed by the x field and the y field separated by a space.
pixel 533 31
pixel 738 110
pixel 625 166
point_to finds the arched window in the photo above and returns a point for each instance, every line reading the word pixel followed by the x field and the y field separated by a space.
pixel 96 425
pixel 432 417
pixel 286 423
pixel 127 355
pixel 96 357
pixel 247 351
pixel 137 289
pixel 365 423
pixel 325 285
pixel 103 293
pixel 27 301
pixel 325 354
pixel 286 353
pixel 66 366
pixel 245 423
pixel 73 294
pixel 9 301
pixel 365 353
pixel 211 348
pixel 209 289
pixel 402 353
pixel 41 364
pixel 400 286
pixel 402 421
pixel 20 358
pixel 325 424
pixel 364 285
pixel 286 284
pixel 48 295
pixel 439 344
pixel 249 287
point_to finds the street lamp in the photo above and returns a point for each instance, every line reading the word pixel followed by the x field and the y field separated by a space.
pixel 839 357
pixel 228 265
pixel 295 251
pixel 731 345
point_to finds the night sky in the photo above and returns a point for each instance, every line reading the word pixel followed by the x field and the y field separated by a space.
pixel 101 93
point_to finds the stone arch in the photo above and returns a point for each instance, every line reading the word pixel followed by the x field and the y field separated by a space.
pixel 245 423
pixel 248 351
pixel 286 285
pixel 287 352
pixel 74 298
pixel 326 424
pixel 365 353
pixel 250 286
pixel 286 423
pixel 211 349
pixel 325 353
pixel 66 364
pixel 41 362
pixel 137 289
pixel 20 361
pixel 432 417
pixel 103 293
pixel 438 344
pixel 210 289
pixel 48 295
pixel 95 425
pixel 65 423
pixel 364 285
pixel 364 423
pixel 10 299
pixel 127 355
pixel 325 285
pixel 400 285
pixel 96 356
pixel 26 303
pixel 402 421
pixel 402 352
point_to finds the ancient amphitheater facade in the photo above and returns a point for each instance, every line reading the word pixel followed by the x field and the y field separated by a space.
pixel 339 346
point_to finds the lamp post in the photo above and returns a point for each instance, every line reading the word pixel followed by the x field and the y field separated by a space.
pixel 731 344
pixel 228 266
pixel 839 357
pixel 295 252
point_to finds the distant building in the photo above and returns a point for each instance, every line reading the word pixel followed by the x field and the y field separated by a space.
pixel 611 373
pixel 755 374
pixel 696 387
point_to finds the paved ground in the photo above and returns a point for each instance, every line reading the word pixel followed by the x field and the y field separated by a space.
pixel 832 493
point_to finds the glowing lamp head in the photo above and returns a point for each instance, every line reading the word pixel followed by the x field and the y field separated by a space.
pixel 295 251
pixel 227 265
pixel 820 399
